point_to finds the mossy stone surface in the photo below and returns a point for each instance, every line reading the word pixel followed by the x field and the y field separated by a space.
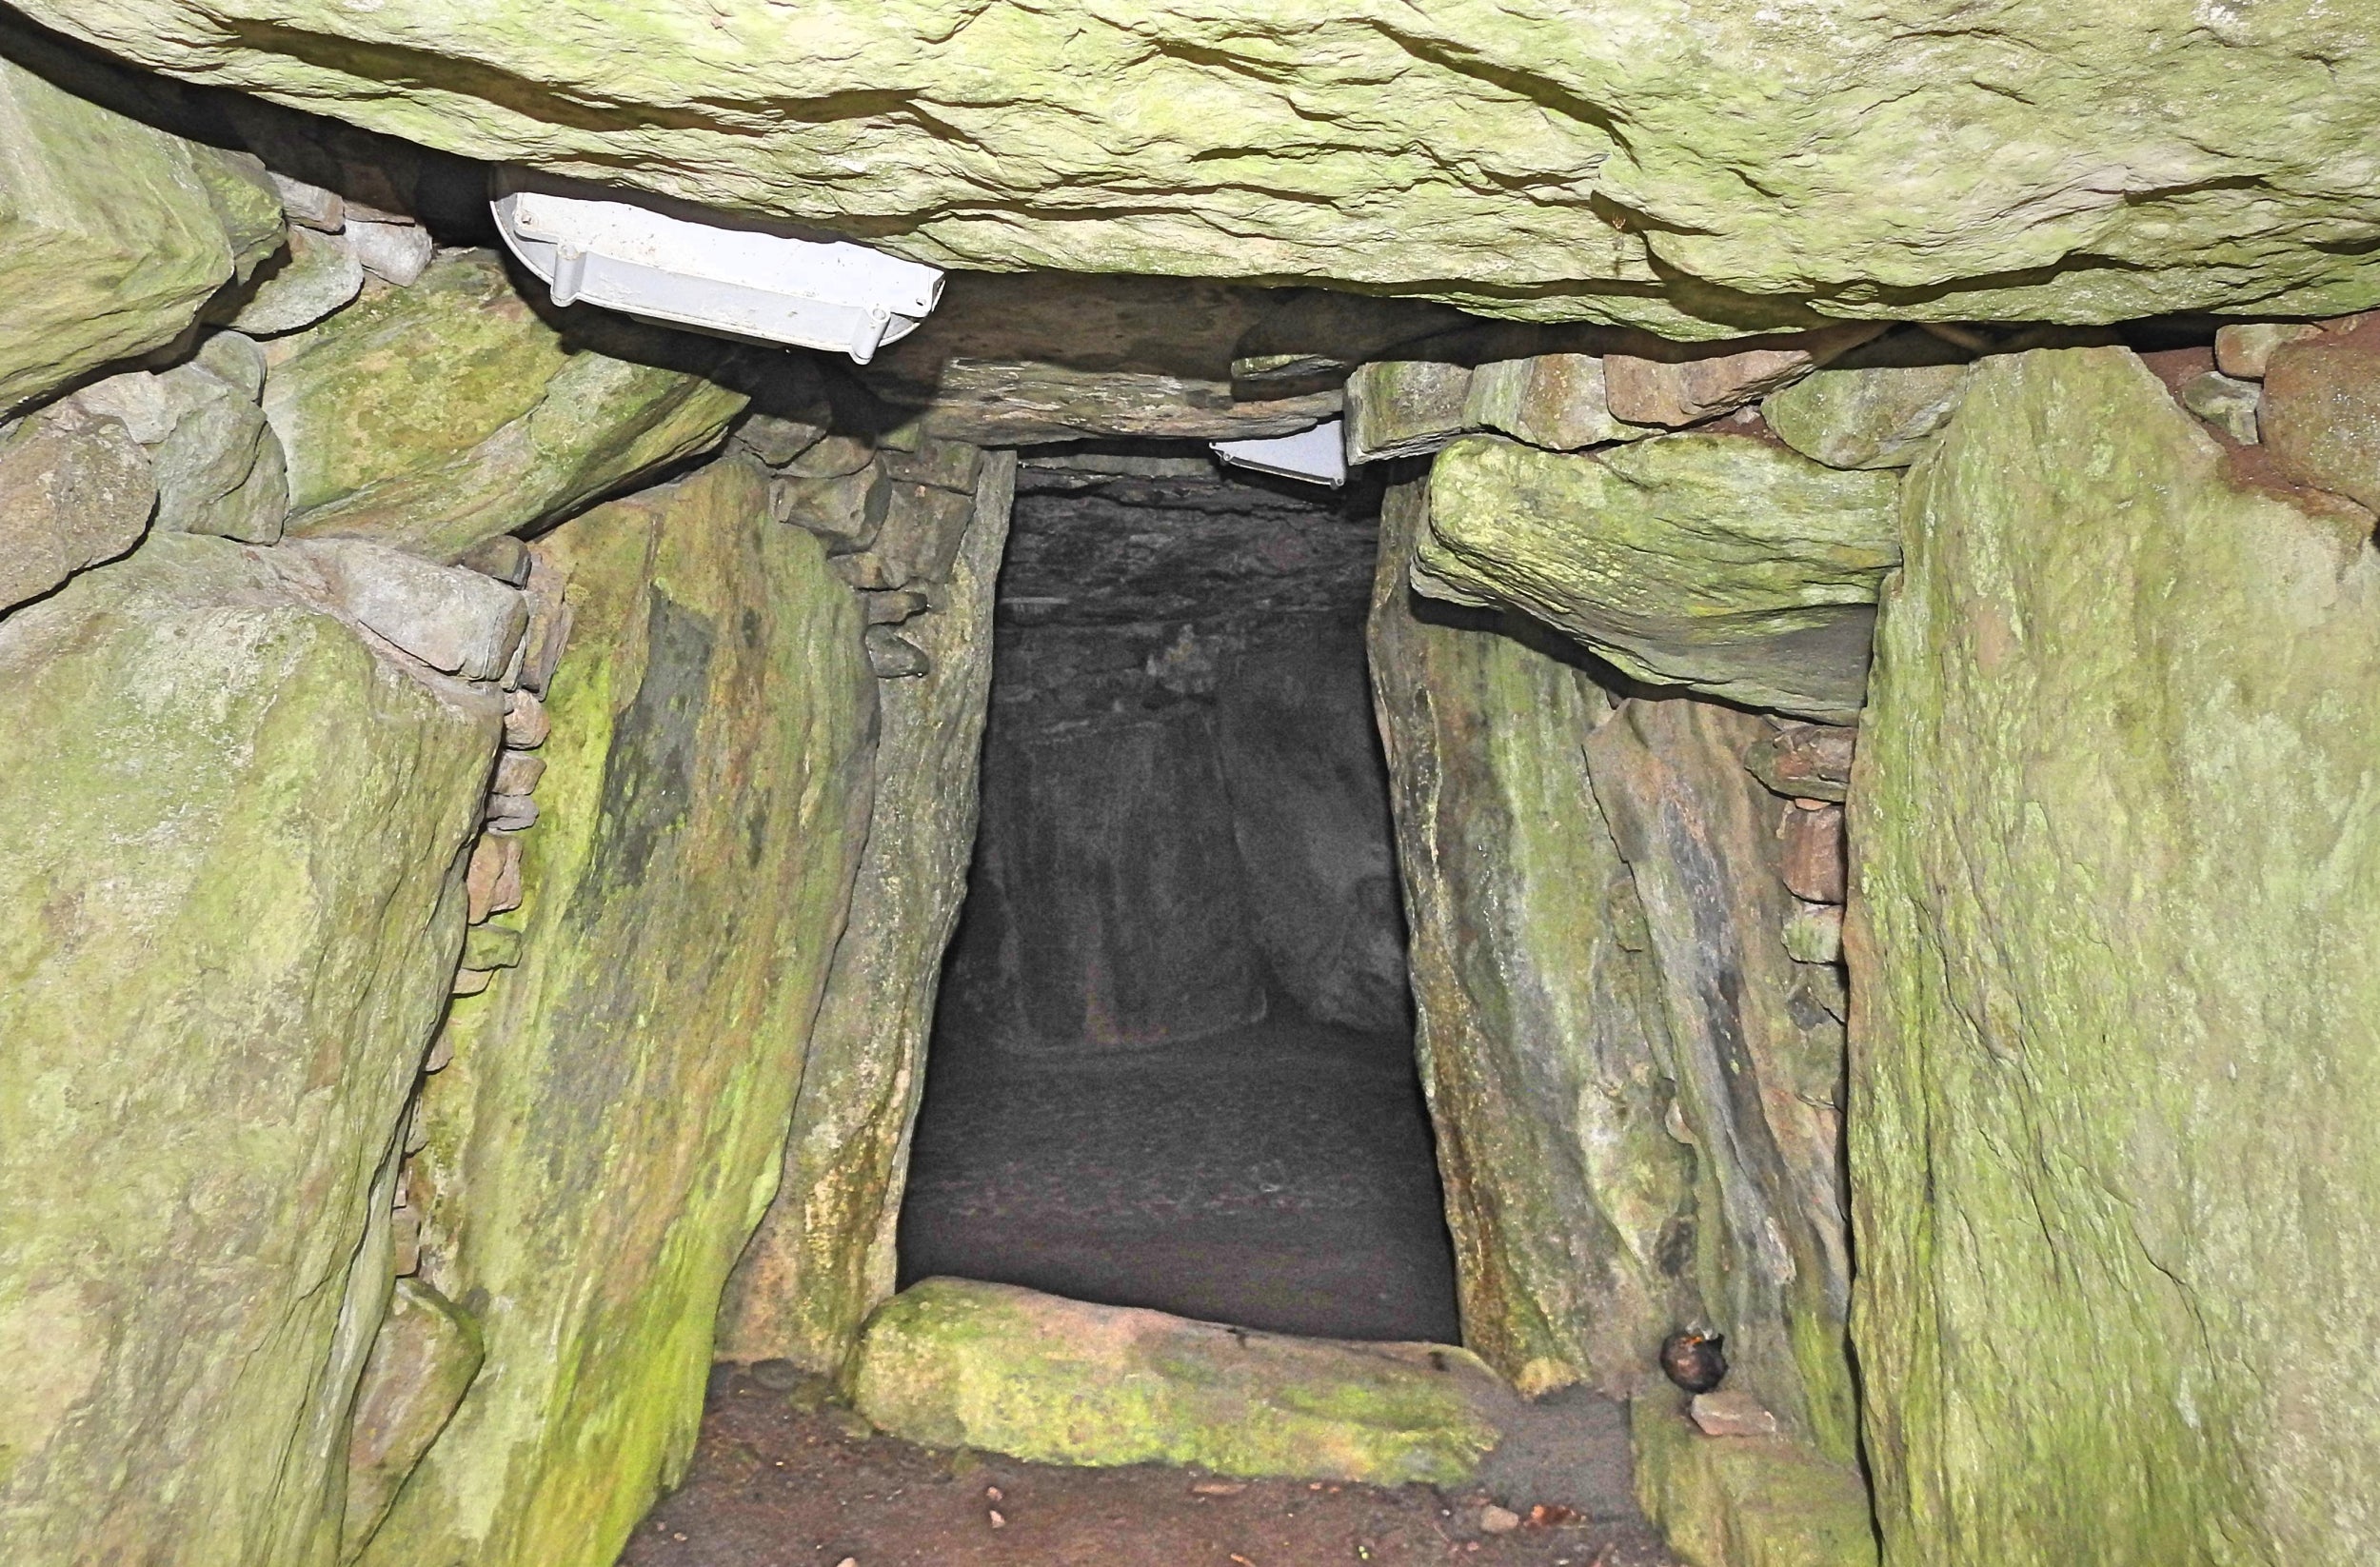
pixel 823 1259
pixel 1746 1501
pixel 1721 564
pixel 951 1362
pixel 1730 166
pixel 231 899
pixel 439 415
pixel 112 234
pixel 1876 408
pixel 2116 1191
pixel 608 1130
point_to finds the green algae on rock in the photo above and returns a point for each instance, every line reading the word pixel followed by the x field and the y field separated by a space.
pixel 951 1362
pixel 1876 408
pixel 230 900
pixel 2116 1192
pixel 1746 1501
pixel 1719 563
pixel 421 1362
pixel 1738 167
pixel 607 1132
pixel 1533 989
pixel 112 234
pixel 823 1259
pixel 438 415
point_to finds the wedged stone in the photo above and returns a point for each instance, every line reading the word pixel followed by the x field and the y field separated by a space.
pixel 2245 350
pixel 893 655
pixel 2230 406
pixel 1814 933
pixel 1805 762
pixel 608 1130
pixel 2116 1044
pixel 1555 401
pixel 1687 390
pixel 75 489
pixel 1007 361
pixel 112 234
pixel 235 359
pixel 1311 340
pixel 1405 407
pixel 1874 408
pixel 1813 865
pixel 320 274
pixel 421 1362
pixel 823 1258
pixel 916 542
pixel 217 466
pixel 1719 563
pixel 944 464
pixel 1537 1014
pixel 1702 180
pixel 394 252
pixel 1748 1500
pixel 2320 414
pixel 847 510
pixel 456 620
pixel 951 1362
pixel 436 416
pixel 213 800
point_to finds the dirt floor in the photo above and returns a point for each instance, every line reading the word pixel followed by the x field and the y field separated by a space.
pixel 784 1479
pixel 1278 1176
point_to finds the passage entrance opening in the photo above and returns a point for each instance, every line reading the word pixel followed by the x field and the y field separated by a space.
pixel 1173 1062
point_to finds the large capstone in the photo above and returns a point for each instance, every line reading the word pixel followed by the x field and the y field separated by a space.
pixel 2115 1055
pixel 231 902
pixel 436 416
pixel 607 1132
pixel 1719 563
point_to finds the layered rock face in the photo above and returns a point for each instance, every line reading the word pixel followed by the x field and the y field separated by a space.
pixel 1738 166
pixel 2113 1165
pixel 231 883
pixel 623 1092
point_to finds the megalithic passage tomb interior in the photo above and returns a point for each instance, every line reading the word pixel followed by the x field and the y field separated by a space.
pixel 1212 783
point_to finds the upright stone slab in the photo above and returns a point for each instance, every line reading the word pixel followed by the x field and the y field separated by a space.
pixel 112 234
pixel 442 414
pixel 608 1133
pixel 231 844
pixel 2117 1047
pixel 823 1259
pixel 1537 1009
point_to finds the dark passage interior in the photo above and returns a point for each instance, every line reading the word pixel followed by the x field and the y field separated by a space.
pixel 1173 1062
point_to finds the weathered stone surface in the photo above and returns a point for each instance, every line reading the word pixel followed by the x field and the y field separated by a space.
pixel 1714 562
pixel 1556 401
pixel 1874 161
pixel 1813 865
pixel 1746 1501
pixel 955 1363
pixel 2114 1182
pixel 1536 1009
pixel 846 510
pixel 2244 351
pixel 230 897
pixel 823 1259
pixel 916 541
pixel 1684 389
pixel 2230 406
pixel 217 464
pixel 607 1132
pixel 2321 413
pixel 1405 407
pixel 1806 761
pixel 436 416
pixel 421 1362
pixel 1309 811
pixel 395 253
pixel 1014 361
pixel 1756 1065
pixel 112 234
pixel 319 274
pixel 457 622
pixel 75 489
pixel 1874 408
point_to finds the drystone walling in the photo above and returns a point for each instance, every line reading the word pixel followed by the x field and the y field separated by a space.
pixel 1884 808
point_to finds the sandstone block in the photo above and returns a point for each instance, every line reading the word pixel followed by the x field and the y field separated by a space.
pixel 433 417
pixel 1405 407
pixel 954 1363
pixel 423 1360
pixel 1689 390
pixel 75 489
pixel 847 510
pixel 2321 413
pixel 2230 406
pixel 1874 408
pixel 1730 1415
pixel 1719 563
pixel 1814 861
pixel 1806 761
pixel 2245 350
pixel 1555 401
pixel 394 252
pixel 318 275
pixel 457 622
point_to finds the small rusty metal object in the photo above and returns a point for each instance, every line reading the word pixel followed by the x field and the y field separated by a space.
pixel 1696 1361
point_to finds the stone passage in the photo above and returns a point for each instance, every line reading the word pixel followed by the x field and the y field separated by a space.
pixel 1172 1066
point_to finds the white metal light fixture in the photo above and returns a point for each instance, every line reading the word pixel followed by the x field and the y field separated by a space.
pixel 707 271
pixel 1319 456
